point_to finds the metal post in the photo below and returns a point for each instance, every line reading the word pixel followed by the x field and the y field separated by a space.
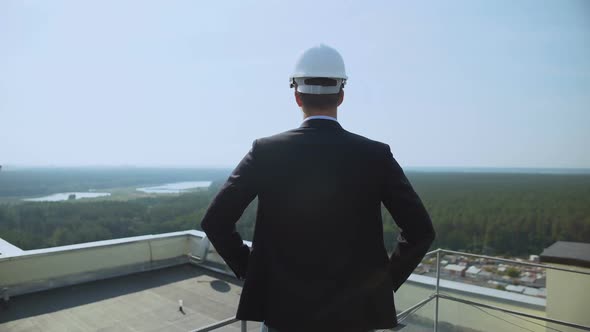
pixel 436 292
pixel 244 326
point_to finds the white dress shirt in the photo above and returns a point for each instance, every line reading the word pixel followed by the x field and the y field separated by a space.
pixel 324 117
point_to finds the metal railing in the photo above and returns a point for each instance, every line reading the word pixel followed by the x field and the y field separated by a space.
pixel 437 295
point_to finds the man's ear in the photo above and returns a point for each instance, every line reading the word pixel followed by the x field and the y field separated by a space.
pixel 341 98
pixel 298 99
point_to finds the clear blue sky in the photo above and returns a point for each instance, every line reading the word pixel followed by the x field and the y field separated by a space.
pixel 193 83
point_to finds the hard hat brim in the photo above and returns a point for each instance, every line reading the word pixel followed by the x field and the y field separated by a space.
pixel 302 87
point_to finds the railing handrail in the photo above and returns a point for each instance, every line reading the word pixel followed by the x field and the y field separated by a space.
pixel 438 295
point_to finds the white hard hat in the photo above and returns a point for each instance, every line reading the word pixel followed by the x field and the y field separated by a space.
pixel 319 62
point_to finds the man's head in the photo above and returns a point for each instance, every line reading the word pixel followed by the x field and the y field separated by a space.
pixel 319 79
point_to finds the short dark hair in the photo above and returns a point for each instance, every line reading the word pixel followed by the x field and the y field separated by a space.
pixel 320 101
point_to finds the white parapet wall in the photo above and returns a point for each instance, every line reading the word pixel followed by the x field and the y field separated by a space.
pixel 34 270
pixel 7 249
pixel 568 297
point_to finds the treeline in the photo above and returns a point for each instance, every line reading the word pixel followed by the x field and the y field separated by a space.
pixel 511 214
pixel 496 214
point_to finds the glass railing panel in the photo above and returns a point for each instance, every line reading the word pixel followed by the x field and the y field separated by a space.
pixel 457 316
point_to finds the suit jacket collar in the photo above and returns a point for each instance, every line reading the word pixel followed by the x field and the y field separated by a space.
pixel 321 123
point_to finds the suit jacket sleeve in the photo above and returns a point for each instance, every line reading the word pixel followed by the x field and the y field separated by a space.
pixel 225 211
pixel 408 212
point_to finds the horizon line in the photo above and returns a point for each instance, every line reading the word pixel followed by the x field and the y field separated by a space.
pixel 537 169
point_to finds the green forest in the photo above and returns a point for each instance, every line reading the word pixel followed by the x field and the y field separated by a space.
pixel 491 213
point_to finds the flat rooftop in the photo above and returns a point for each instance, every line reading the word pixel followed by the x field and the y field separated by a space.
pixel 135 284
pixel 567 253
pixel 146 301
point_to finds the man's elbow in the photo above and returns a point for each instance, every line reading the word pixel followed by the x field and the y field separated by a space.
pixel 423 239
pixel 426 237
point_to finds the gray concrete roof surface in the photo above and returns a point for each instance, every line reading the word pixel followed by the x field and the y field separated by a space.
pixel 146 301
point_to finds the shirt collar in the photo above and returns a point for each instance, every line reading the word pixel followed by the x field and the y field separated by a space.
pixel 323 117
pixel 321 123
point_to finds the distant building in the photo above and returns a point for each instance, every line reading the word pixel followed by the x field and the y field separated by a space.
pixel 472 271
pixel 532 280
pixel 422 268
pixel 454 269
pixel 485 275
pixel 451 258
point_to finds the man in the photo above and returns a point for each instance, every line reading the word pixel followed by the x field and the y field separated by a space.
pixel 318 260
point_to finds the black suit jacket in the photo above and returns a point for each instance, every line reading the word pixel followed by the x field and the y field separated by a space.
pixel 318 261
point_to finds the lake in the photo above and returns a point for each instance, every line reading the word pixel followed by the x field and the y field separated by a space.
pixel 176 187
pixel 64 196
pixel 168 188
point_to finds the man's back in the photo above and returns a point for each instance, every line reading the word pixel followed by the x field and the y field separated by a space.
pixel 318 260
